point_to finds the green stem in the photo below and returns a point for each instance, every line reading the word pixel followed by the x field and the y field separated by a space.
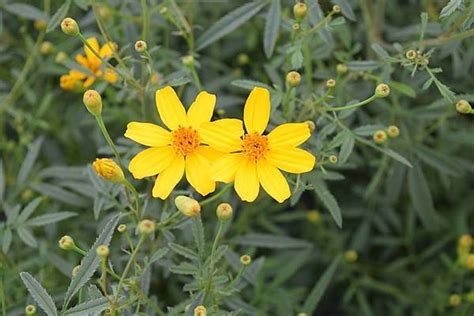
pixel 135 196
pixel 103 129
pixel 351 106
pixel 212 263
pixel 2 296
pixel 197 81
pixel 103 278
pixel 79 250
pixel 217 195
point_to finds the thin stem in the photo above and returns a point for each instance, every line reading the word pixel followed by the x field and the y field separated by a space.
pixel 217 195
pixel 103 129
pixel 79 250
pixel 212 263
pixel 2 296
pixel 351 106
pixel 135 196
pixel 196 77
pixel 103 278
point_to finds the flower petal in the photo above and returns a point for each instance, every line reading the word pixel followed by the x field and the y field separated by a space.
pixel 169 178
pixel 223 135
pixel 225 168
pixel 82 60
pixel 110 75
pixel 148 134
pixel 94 61
pixel 89 81
pixel 198 173
pixel 246 181
pixel 151 161
pixel 170 108
pixel 210 153
pixel 257 110
pixel 291 159
pixel 273 181
pixel 290 134
pixel 201 110
pixel 107 50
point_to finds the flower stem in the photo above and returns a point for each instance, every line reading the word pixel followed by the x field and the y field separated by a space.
pixel 135 196
pixel 103 129
pixel 351 106
pixel 212 263
pixel 217 195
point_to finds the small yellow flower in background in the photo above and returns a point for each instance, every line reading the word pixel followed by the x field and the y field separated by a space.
pixel 178 151
pixel 454 299
pixel 30 310
pixel 253 159
pixel 109 170
pixel 314 217
pixel 78 80
pixel 351 256
pixel 200 311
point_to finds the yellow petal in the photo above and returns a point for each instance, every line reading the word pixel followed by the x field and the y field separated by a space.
pixel 170 108
pixel 151 161
pixel 198 173
pixel 76 74
pixel 290 134
pixel 225 168
pixel 82 60
pixel 223 135
pixel 291 159
pixel 107 50
pixel 246 181
pixel 148 134
pixel 89 81
pixel 201 110
pixel 110 75
pixel 273 181
pixel 169 178
pixel 210 153
pixel 94 61
pixel 257 110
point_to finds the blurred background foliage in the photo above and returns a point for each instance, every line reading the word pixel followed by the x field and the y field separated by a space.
pixel 398 208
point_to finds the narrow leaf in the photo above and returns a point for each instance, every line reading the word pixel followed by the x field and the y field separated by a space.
pixel 39 294
pixel 49 218
pixel 328 200
pixel 272 24
pixel 58 16
pixel 91 307
pixel 29 161
pixel 270 241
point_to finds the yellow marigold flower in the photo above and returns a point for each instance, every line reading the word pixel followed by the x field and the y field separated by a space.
pixel 94 64
pixel 109 170
pixel 253 159
pixel 69 83
pixel 178 151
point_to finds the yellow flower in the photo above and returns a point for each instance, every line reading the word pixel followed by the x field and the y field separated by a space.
pixel 253 159
pixel 77 80
pixel 178 151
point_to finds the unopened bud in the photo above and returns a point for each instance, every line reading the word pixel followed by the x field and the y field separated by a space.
pixel 296 27
pixel 60 57
pixel 331 83
pixel 122 228
pixel 463 107
pixel 75 270
pixel 140 46
pixel 341 69
pixel 382 90
pixel 333 159
pixel 393 131
pixel 411 54
pixel 224 211
pixel 40 25
pixel 103 251
pixel 188 60
pixel 109 170
pixel 311 125
pixel 200 311
pixel 46 48
pixel 30 310
pixel 454 299
pixel 465 241
pixel 93 102
pixel 188 206
pixel 293 78
pixel 243 59
pixel 469 262
pixel 380 137
pixel 351 256
pixel 300 10
pixel 69 27
pixel 245 260
pixel 146 227
pixel 314 217
pixel 66 243
pixel 336 8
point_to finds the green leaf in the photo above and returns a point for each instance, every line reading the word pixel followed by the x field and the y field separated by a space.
pixel 380 51
pixel 346 147
pixel 58 16
pixel 39 294
pixel 364 65
pixel 26 236
pixel 445 91
pixel 60 194
pixel 297 59
pixel 320 287
pixel 184 268
pixel 160 253
pixel 387 151
pixel 346 9
pixel 29 209
pixel 249 84
pixel 6 240
pixel 452 6
pixel 443 163
pixel 91 260
pixel 2 181
pixel 49 218
pixel 228 23
pixel 272 24
pixel 198 234
pixel 328 200
pixel 91 307
pixel 367 130
pixel 183 251
pixel 26 11
pixel 403 88
pixel 421 197
pixel 270 241
pixel 29 161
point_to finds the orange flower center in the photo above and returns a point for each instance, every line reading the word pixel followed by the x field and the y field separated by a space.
pixel 255 146
pixel 185 140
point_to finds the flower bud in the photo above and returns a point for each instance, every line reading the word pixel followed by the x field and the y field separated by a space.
pixel 311 125
pixel 351 256
pixel 465 241
pixel 293 78
pixel 60 57
pixel 470 297
pixel 188 60
pixel 296 27
pixel 221 112
pixel 140 46
pixel 243 59
pixel 469 262
pixel 333 159
pixel 200 311
pixel 30 310
pixel 380 137
pixel 66 243
pixel 302 314
pixel 75 270
pixel 314 217
pixel 393 131
pixel 331 83
pixel 146 227
pixel 93 102
pixel 463 107
pixel 69 27
pixel 40 25
pixel 46 48
pixel 336 8
pixel 454 299
pixel 188 206
pixel 108 170
pixel 245 260
pixel 382 90
pixel 411 54
pixel 104 11
pixel 341 69
pixel 300 10
pixel 122 228
pixel 224 211
pixel 103 251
